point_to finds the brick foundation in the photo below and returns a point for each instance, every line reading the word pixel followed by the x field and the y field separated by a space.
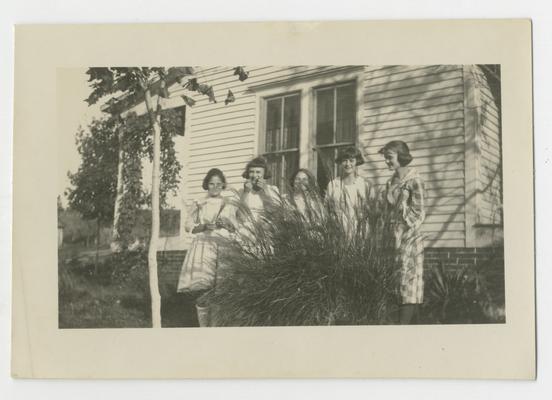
pixel 459 257
pixel 491 258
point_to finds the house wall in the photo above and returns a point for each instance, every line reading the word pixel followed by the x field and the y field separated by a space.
pixel 490 178
pixel 422 105
pixel 440 111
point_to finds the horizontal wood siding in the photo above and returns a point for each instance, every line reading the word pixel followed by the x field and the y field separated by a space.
pixel 225 136
pixel 490 174
pixel 424 106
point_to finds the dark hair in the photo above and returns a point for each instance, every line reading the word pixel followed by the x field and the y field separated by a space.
pixel 310 176
pixel 213 172
pixel 257 162
pixel 401 148
pixel 350 152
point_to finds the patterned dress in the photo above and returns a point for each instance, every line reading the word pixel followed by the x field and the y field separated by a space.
pixel 203 258
pixel 406 197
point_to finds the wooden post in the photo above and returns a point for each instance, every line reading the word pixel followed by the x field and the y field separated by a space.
pixel 115 239
pixel 155 118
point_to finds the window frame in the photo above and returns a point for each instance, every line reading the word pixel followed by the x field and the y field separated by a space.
pixel 333 145
pixel 262 134
pixel 306 87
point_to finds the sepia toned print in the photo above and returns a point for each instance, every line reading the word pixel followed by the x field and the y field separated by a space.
pixel 396 216
pixel 298 171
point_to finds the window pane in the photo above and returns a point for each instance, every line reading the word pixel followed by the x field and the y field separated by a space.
pixel 324 116
pixel 273 122
pixel 345 114
pixel 281 174
pixel 291 164
pixel 326 167
pixel 275 168
pixel 291 122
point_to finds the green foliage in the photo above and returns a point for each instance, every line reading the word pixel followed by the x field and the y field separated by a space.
pixel 59 205
pixel 138 144
pixel 294 268
pixel 112 80
pixel 93 185
pixel 77 230
pixel 461 296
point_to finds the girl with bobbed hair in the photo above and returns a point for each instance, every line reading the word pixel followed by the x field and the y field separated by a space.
pixel 404 194
pixel 211 221
pixel 257 194
pixel 349 190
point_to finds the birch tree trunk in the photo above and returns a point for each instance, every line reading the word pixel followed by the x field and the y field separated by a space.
pixel 155 119
pixel 115 238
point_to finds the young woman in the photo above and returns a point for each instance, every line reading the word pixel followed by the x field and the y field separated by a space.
pixel 405 195
pixel 349 190
pixel 303 187
pixel 211 221
pixel 257 194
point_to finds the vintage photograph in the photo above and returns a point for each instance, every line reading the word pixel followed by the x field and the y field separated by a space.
pixel 234 196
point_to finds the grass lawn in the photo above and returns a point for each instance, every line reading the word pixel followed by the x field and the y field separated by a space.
pixel 115 295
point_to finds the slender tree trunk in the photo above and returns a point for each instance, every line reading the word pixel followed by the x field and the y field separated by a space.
pixel 155 119
pixel 115 238
pixel 98 227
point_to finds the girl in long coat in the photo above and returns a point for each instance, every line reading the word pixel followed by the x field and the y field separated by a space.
pixel 405 195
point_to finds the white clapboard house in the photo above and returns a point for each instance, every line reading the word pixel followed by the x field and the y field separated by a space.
pixel 299 116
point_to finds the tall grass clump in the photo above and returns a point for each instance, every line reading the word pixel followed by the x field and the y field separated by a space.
pixel 468 295
pixel 308 267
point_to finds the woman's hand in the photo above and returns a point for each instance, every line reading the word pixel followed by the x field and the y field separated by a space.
pixel 247 186
pixel 204 227
pixel 260 184
pixel 198 228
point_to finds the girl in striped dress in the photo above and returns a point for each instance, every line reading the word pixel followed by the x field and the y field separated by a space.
pixel 405 195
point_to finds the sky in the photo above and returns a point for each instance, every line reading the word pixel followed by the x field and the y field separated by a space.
pixel 73 111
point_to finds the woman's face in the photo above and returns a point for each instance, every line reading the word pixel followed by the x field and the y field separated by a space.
pixel 301 181
pixel 391 159
pixel 348 166
pixel 256 173
pixel 215 186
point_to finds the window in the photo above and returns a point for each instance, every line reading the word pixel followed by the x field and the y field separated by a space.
pixel 304 122
pixel 335 121
pixel 281 137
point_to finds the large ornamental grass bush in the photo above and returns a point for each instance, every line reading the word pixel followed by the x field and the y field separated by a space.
pixel 291 268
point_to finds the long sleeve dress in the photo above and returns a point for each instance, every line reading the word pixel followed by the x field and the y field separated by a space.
pixel 256 202
pixel 406 198
pixel 204 256
pixel 348 198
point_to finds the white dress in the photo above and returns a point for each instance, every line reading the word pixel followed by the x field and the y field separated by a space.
pixel 204 256
pixel 255 203
pixel 348 197
pixel 252 227
pixel 351 195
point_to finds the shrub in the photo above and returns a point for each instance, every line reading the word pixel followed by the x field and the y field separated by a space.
pixel 307 268
pixel 462 296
